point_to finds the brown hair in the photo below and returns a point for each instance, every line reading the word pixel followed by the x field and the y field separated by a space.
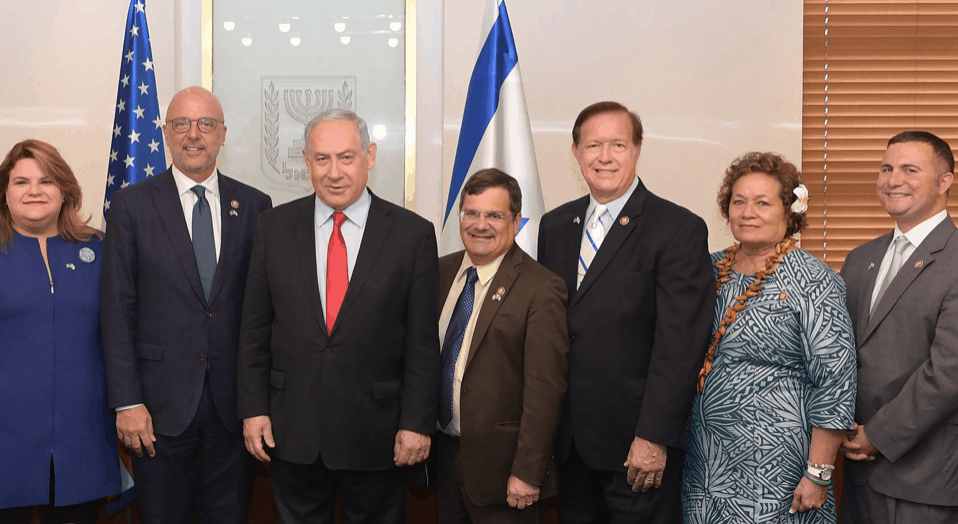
pixel 70 226
pixel 775 166
pixel 485 178
pixel 607 107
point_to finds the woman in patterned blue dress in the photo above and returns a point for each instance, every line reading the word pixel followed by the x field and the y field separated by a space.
pixel 778 386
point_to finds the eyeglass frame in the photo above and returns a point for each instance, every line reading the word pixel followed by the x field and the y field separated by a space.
pixel 475 218
pixel 198 122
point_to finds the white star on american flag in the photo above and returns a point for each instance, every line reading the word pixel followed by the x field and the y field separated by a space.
pixel 139 112
pixel 144 89
pixel 134 31
pixel 121 105
pixel 124 184
pixel 113 155
pixel 129 160
pixel 154 146
pixel 148 170
pixel 125 80
pixel 129 56
pixel 148 65
pixel 109 180
pixel 134 137
pixel 116 130
pixel 106 206
pixel 158 122
pixel 139 6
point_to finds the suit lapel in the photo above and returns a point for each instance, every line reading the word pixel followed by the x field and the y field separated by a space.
pixel 448 269
pixel 867 283
pixel 572 225
pixel 910 270
pixel 617 235
pixel 170 210
pixel 304 232
pixel 374 236
pixel 229 226
pixel 504 278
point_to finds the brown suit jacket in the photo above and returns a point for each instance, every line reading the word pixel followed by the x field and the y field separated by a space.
pixel 515 378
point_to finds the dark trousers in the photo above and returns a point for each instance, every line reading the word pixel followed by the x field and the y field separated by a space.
pixel 863 505
pixel 205 473
pixel 82 513
pixel 587 496
pixel 306 493
pixel 452 502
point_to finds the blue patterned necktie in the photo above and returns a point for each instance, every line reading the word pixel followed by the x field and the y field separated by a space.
pixel 203 245
pixel 591 241
pixel 452 344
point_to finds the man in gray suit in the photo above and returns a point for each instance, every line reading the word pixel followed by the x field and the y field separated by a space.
pixel 903 299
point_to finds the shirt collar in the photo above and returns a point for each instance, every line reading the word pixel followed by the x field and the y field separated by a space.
pixel 356 213
pixel 919 233
pixel 485 273
pixel 185 184
pixel 615 206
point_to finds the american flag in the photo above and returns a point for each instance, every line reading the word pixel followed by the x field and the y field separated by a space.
pixel 136 151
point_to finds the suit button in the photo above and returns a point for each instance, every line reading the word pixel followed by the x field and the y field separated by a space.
pixel 858 363
pixel 209 314
pixel 329 352
pixel 571 339
pixel 202 357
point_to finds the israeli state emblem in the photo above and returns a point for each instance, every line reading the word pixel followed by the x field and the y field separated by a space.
pixel 288 105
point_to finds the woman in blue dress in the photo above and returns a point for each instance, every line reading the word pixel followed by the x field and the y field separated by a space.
pixel 778 384
pixel 58 445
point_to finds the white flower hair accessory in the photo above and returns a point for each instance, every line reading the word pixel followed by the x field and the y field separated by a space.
pixel 800 205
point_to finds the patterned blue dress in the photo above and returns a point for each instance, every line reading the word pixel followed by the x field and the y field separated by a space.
pixel 787 364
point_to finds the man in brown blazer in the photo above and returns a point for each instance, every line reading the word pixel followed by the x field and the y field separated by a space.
pixel 505 356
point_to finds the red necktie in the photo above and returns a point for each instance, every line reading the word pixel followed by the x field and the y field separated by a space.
pixel 337 274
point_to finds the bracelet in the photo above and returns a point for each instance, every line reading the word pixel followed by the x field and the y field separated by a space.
pixel 828 467
pixel 823 483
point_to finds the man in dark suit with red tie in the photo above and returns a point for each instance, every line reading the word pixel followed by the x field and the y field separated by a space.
pixel 641 300
pixel 174 274
pixel 339 355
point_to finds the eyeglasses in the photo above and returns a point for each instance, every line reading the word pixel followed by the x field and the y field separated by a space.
pixel 205 125
pixel 495 217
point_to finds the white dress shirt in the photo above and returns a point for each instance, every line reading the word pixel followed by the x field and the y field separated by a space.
pixel 485 274
pixel 352 229
pixel 184 186
pixel 614 208
pixel 915 236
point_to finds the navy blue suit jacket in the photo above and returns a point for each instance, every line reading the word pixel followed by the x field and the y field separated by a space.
pixel 159 331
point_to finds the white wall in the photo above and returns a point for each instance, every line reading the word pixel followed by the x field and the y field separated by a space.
pixel 60 62
pixel 711 80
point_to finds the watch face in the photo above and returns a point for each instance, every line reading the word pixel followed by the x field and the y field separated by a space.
pixel 826 474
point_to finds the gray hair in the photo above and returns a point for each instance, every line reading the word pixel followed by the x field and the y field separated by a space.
pixel 339 114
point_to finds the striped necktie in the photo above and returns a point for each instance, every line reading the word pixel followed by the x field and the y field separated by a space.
pixel 591 240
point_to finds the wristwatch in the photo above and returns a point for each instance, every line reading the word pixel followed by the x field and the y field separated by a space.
pixel 822 471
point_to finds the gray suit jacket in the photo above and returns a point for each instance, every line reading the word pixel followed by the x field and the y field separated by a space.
pixel 908 369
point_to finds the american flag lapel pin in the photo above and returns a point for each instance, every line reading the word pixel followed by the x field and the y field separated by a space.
pixel 576 220
pixel 871 265
pixel 499 294
pixel 235 205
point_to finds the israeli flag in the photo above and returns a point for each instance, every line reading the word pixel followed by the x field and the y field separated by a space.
pixel 495 131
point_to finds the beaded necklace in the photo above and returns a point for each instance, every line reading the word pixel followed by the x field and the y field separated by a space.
pixel 725 269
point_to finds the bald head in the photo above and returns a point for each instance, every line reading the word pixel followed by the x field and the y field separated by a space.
pixel 195 148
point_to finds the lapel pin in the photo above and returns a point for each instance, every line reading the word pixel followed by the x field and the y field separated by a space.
pixel 919 264
pixel 576 220
pixel 235 204
pixel 871 265
pixel 71 266
pixel 624 221
pixel 499 293
pixel 233 213
pixel 87 255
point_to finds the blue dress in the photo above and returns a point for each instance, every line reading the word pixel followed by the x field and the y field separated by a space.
pixel 52 380
pixel 787 364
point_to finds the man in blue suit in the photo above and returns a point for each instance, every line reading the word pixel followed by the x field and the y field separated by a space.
pixel 174 275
